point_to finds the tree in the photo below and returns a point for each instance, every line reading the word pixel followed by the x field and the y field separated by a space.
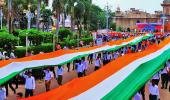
pixel 79 13
pixel 70 4
pixel 113 25
pixel 46 17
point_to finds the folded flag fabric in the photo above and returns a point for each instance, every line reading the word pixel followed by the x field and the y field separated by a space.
pixel 115 81
pixel 10 68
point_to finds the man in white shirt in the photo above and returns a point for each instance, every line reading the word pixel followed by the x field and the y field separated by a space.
pixel 1 55
pixel 154 91
pixel 156 78
pixel 48 77
pixel 12 55
pixel 2 93
pixel 85 66
pixel 59 76
pixel 109 57
pixel 97 63
pixel 80 69
pixel 29 84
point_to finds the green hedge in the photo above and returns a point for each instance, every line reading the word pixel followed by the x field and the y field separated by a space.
pixel 20 51
pixel 48 47
pixel 36 37
pixel 6 38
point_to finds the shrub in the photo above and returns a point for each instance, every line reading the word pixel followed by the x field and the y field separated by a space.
pixel 20 51
pixel 8 39
pixel 87 40
pixel 64 33
pixel 35 37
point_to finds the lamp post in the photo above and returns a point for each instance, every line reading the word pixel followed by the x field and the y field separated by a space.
pixel 29 16
pixel 1 15
pixel 163 22
pixel 107 18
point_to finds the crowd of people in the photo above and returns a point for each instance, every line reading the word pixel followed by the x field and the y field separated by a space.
pixel 81 66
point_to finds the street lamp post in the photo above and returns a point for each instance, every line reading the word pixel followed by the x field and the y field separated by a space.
pixel 1 15
pixel 163 22
pixel 29 17
pixel 107 18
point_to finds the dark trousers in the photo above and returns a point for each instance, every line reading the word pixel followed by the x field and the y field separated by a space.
pixel 59 79
pixel 104 62
pixel 84 73
pixel 96 68
pixel 152 97
pixel 28 92
pixel 91 61
pixel 142 92
pixel 156 81
pixel 80 74
pixel 68 67
pixel 10 85
pixel 47 85
pixel 164 78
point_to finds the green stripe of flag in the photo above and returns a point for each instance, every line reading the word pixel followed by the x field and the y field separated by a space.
pixel 128 87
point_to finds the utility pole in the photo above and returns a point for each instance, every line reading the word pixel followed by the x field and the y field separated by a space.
pixel 1 16
pixel 163 22
pixel 107 18
pixel 9 16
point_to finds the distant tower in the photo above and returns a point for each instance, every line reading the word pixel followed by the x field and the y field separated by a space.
pixel 166 7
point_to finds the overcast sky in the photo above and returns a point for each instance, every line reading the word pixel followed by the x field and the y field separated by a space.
pixel 145 5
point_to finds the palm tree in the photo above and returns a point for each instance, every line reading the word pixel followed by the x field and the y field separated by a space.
pixel 70 11
pixel 57 9
pixel 79 14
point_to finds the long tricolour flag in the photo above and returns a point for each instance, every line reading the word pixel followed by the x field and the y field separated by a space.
pixel 10 68
pixel 118 80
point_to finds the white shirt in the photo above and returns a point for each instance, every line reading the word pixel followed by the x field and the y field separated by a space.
pixel 97 63
pixel 85 65
pixel 137 96
pixel 109 56
pixel 164 71
pixel 2 93
pixel 29 82
pixel 80 67
pixel 48 75
pixel 156 76
pixel 154 90
pixel 60 71
pixel 168 64
pixel 1 55
pixel 12 55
